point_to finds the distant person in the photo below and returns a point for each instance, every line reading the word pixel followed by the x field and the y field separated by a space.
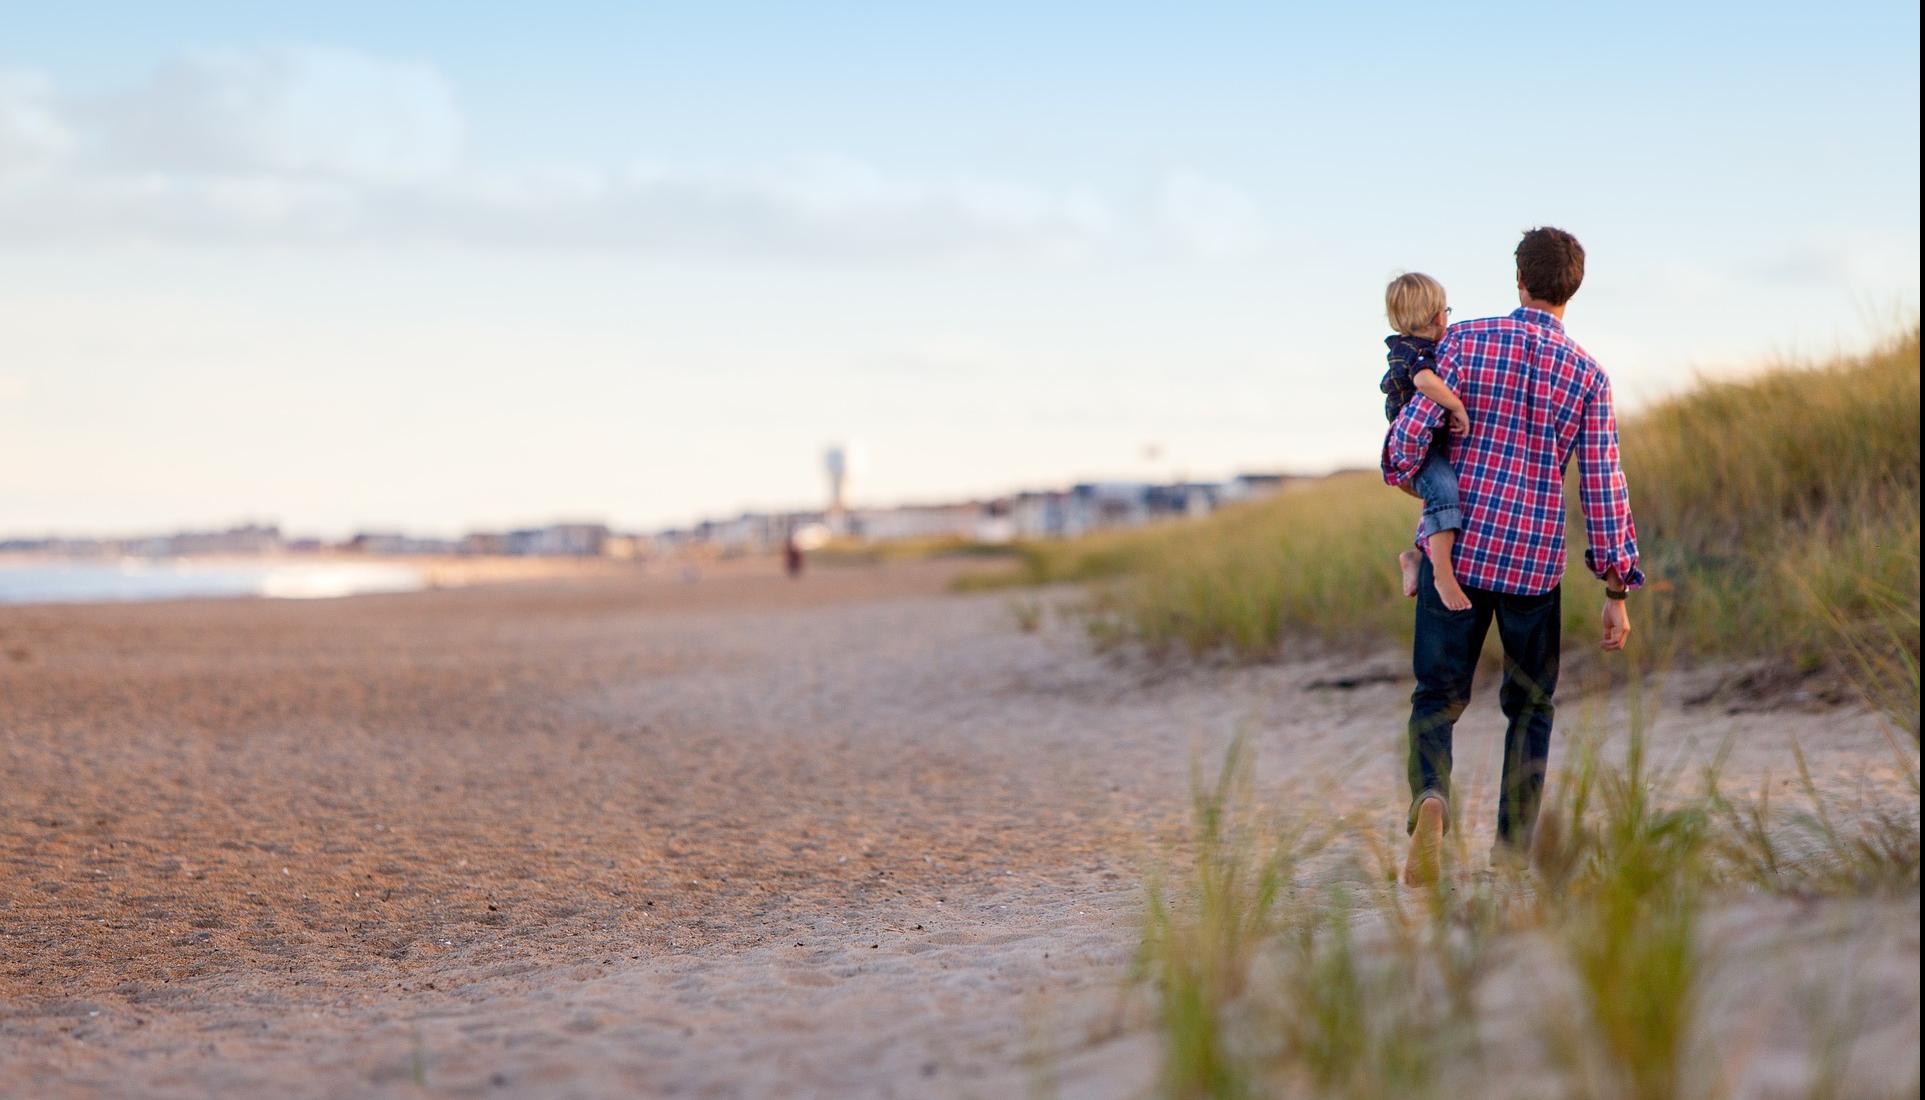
pixel 792 557
pixel 1418 312
pixel 1534 398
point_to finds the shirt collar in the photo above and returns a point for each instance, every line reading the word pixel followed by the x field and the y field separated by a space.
pixel 1537 317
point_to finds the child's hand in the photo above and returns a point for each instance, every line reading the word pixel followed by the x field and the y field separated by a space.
pixel 1459 421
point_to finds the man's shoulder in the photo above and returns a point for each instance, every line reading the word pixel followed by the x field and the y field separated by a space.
pixel 1500 323
pixel 1479 337
pixel 1581 363
pixel 1484 328
pixel 1489 334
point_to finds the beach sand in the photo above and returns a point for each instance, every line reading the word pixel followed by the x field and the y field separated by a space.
pixel 631 834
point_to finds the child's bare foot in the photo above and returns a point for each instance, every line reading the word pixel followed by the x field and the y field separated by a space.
pixel 1445 576
pixel 1452 593
pixel 1408 561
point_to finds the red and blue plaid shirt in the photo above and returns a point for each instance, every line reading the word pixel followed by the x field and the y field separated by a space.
pixel 1534 397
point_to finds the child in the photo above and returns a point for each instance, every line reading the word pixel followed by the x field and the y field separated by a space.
pixel 1415 305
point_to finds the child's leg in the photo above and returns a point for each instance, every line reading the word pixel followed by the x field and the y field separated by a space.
pixel 1445 577
pixel 1407 562
pixel 1436 482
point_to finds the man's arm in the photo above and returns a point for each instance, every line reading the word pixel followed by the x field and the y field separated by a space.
pixel 1606 499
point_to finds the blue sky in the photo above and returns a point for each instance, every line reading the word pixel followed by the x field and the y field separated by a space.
pixel 441 265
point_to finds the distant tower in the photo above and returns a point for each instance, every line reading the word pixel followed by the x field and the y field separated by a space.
pixel 842 462
pixel 835 462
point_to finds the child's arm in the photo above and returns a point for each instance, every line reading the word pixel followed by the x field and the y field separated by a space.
pixel 1433 387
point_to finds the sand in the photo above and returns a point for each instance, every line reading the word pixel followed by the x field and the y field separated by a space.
pixel 627 834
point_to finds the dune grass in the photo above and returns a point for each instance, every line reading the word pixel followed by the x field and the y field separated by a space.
pixel 1778 516
pixel 1267 980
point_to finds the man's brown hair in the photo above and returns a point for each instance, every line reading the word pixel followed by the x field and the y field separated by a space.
pixel 1550 264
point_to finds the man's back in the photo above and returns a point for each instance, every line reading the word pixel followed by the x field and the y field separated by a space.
pixel 1534 397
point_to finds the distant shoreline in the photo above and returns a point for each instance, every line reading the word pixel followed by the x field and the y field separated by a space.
pixel 112 578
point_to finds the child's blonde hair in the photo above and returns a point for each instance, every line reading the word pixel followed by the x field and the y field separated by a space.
pixel 1413 300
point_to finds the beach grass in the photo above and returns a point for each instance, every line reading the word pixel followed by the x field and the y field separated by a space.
pixel 1270 978
pixel 1778 517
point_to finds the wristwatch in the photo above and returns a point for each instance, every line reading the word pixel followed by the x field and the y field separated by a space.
pixel 1616 593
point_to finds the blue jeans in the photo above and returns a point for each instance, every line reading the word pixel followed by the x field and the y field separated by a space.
pixel 1436 482
pixel 1444 656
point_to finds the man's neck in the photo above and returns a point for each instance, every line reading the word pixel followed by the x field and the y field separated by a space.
pixel 1543 306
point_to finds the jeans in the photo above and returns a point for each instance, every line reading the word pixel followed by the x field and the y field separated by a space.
pixel 1444 658
pixel 1436 482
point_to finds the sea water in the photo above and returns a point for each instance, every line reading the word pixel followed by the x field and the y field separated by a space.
pixel 173 579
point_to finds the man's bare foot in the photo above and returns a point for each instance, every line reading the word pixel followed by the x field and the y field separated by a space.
pixel 1451 592
pixel 1425 862
pixel 1408 561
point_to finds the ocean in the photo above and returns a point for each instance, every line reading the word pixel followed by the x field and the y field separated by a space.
pixel 45 581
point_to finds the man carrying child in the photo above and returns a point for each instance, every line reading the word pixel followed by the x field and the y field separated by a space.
pixel 1533 399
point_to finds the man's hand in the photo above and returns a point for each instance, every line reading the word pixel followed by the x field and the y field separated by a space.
pixel 1617 625
pixel 1459 421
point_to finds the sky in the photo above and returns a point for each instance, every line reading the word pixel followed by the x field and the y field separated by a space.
pixel 446 266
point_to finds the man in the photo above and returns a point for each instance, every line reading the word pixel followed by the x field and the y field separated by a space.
pixel 1534 398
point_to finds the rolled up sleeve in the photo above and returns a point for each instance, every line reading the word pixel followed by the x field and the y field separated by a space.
pixel 1408 440
pixel 1606 498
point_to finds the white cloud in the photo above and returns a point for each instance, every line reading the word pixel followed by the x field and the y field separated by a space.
pixel 32 136
pixel 1209 218
pixel 305 144
pixel 287 110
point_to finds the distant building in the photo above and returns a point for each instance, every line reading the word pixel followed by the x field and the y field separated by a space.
pixel 628 547
pixel 1248 485
pixel 1039 515
pixel 1182 499
pixel 377 542
pixel 484 543
pixel 246 539
pixel 964 521
pixel 1097 504
pixel 577 540
pixel 394 543
pixel 748 533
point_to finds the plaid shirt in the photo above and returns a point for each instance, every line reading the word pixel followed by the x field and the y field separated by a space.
pixel 1534 397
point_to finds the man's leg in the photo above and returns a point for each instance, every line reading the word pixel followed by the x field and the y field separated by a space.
pixel 1531 628
pixel 1444 658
